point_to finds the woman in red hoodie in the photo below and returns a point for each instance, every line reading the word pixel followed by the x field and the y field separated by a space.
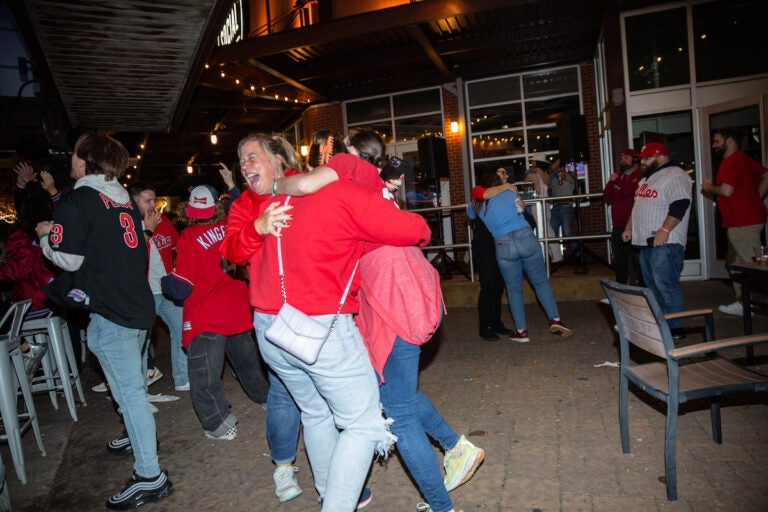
pixel 401 306
pixel 24 264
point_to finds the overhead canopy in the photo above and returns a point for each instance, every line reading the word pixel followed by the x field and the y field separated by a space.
pixel 140 66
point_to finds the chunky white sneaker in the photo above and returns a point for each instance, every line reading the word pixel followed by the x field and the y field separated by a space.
pixel 286 486
pixel 735 309
pixel 460 466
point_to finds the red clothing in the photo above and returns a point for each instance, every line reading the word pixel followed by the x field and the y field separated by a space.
pixel 400 292
pixel 744 207
pixel 164 238
pixel 620 194
pixel 242 241
pixel 27 268
pixel 400 295
pixel 477 193
pixel 218 303
pixel 353 168
pixel 321 246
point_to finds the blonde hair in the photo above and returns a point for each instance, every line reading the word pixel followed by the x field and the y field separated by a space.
pixel 279 151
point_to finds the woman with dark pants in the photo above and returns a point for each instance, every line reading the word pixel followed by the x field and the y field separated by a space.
pixel 216 317
pixel 517 251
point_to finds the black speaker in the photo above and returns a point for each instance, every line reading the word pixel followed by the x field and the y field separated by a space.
pixel 572 134
pixel 433 157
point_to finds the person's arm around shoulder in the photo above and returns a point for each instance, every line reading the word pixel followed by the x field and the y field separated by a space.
pixel 306 183
pixel 402 228
pixel 498 189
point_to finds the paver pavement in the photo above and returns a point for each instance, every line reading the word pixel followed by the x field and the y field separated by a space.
pixel 545 412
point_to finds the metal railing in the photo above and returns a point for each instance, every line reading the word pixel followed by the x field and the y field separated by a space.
pixel 539 203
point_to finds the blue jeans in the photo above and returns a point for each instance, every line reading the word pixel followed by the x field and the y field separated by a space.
pixel 661 267
pixel 119 350
pixel 414 417
pixel 171 315
pixel 339 390
pixel 206 362
pixel 518 252
pixel 562 216
pixel 283 421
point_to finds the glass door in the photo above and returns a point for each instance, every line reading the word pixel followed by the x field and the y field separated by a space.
pixel 746 116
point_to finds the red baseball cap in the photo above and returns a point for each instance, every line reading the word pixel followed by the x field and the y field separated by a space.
pixel 653 149
pixel 631 152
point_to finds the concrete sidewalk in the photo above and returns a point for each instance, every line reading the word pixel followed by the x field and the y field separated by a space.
pixel 545 412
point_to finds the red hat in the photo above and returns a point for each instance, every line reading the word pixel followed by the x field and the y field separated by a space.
pixel 202 202
pixel 653 149
pixel 631 152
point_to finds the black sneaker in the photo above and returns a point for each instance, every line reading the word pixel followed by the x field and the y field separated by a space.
pixel 502 329
pixel 120 445
pixel 489 335
pixel 139 491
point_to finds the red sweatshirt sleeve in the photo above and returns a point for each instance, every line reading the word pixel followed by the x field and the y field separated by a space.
pixel 241 240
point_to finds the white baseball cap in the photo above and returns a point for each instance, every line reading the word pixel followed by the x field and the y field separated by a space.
pixel 202 202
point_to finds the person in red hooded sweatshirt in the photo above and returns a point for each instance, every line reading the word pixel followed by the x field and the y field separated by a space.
pixel 24 263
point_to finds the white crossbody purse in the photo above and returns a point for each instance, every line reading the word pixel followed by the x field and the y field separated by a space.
pixel 293 330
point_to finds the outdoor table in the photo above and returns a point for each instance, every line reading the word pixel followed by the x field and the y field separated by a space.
pixel 748 272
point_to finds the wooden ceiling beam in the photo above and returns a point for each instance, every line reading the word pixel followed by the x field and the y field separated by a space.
pixel 433 55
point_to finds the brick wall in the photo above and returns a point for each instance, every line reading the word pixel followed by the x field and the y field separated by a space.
pixel 455 164
pixel 593 216
pixel 326 116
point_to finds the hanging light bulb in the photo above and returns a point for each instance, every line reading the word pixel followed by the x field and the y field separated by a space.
pixel 190 170
pixel 214 139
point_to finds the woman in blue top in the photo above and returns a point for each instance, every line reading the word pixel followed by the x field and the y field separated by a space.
pixel 517 250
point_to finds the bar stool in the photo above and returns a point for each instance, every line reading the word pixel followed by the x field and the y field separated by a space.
pixel 10 380
pixel 58 361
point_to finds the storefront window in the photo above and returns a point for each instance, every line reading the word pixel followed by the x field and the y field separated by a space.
pixel 657 50
pixel 500 117
pixel 551 83
pixel 497 90
pixel 729 39
pixel 507 128
pixel 368 110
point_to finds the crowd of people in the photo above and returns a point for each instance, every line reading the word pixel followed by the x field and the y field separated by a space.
pixel 311 240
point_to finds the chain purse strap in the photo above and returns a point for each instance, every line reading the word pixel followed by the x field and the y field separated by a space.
pixel 282 277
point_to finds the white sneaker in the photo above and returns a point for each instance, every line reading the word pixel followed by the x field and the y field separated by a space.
pixel 736 309
pixel 153 376
pixel 183 387
pixel 100 388
pixel 605 300
pixel 286 486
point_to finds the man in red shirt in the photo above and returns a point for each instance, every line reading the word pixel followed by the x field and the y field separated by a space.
pixel 739 188
pixel 619 192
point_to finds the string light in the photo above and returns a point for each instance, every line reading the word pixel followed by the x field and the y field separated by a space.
pixel 238 82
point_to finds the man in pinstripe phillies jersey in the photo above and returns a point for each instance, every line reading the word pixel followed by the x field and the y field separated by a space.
pixel 658 225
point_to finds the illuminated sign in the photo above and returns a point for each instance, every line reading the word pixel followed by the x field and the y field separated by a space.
pixel 234 28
